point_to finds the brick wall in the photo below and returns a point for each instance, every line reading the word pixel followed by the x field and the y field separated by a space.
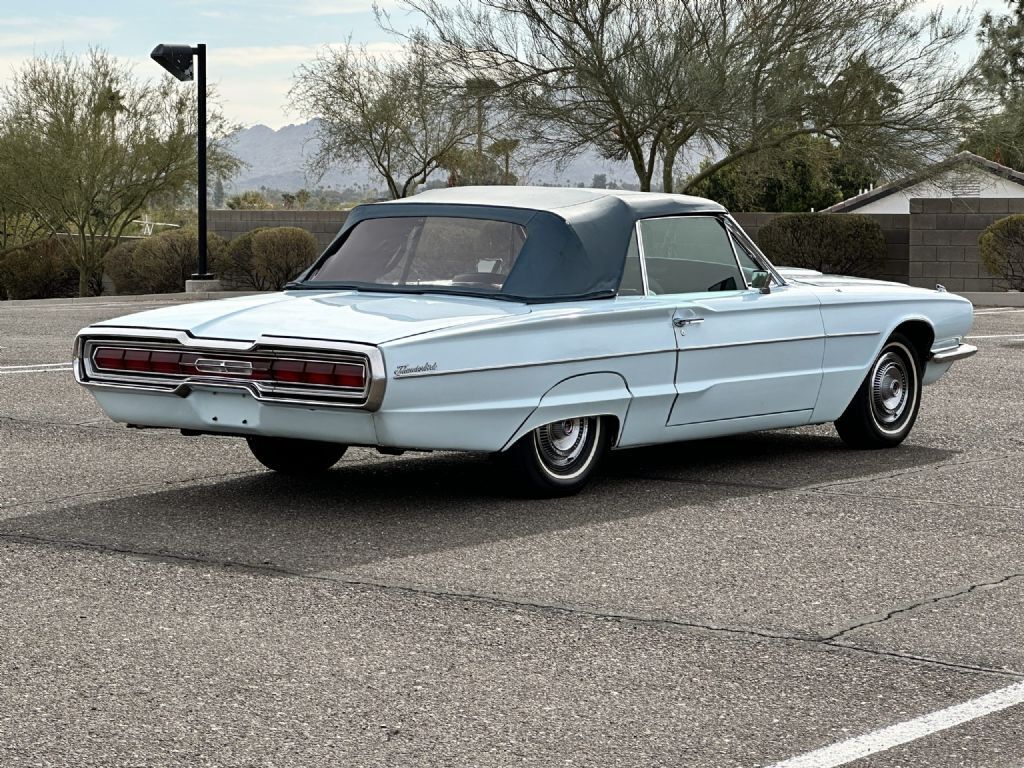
pixel 895 228
pixel 944 241
pixel 324 225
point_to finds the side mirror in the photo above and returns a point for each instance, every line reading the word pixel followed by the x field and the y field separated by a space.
pixel 762 281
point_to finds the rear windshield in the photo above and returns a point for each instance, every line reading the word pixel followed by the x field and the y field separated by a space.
pixel 426 251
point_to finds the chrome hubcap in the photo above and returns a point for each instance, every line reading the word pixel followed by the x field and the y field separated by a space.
pixel 890 389
pixel 562 442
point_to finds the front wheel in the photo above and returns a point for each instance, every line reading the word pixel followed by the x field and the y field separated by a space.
pixel 295 457
pixel 884 410
pixel 558 459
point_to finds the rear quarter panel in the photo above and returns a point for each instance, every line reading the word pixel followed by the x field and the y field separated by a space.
pixel 477 388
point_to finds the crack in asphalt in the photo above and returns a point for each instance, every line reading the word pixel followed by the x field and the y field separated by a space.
pixel 907 471
pixel 932 600
pixel 269 569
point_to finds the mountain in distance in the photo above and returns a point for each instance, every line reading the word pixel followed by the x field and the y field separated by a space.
pixel 277 160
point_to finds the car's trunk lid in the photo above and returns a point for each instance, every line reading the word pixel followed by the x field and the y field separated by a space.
pixel 370 318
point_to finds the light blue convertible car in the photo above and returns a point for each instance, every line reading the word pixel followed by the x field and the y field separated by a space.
pixel 543 325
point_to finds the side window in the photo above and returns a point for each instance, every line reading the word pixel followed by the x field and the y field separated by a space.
pixel 752 266
pixel 689 254
pixel 747 261
pixel 632 281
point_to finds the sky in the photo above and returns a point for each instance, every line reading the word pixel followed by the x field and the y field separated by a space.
pixel 253 46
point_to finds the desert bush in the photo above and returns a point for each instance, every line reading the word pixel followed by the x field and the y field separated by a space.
pixel 265 259
pixel 1002 250
pixel 841 244
pixel 39 270
pixel 161 263
pixel 234 266
pixel 281 253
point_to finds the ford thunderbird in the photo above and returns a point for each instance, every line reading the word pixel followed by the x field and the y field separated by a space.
pixel 545 326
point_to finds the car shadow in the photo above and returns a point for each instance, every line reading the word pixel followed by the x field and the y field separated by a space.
pixel 365 511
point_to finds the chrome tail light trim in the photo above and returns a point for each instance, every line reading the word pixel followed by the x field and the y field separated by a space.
pixel 369 398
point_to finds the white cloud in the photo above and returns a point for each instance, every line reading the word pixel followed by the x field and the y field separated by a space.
pixel 290 8
pixel 257 55
pixel 333 7
pixel 28 32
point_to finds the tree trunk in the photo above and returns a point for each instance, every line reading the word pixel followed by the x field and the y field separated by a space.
pixel 668 164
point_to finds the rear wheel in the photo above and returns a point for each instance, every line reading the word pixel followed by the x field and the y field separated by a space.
pixel 884 410
pixel 558 459
pixel 295 457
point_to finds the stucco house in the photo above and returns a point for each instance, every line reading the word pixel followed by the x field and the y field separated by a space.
pixel 965 175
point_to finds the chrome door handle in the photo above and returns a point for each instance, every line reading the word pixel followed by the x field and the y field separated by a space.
pixel 682 322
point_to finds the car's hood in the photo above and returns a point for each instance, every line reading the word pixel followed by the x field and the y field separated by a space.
pixel 370 318
pixel 813 277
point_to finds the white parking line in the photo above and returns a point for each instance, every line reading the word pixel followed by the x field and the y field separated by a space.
pixel 1005 311
pixel 856 748
pixel 37 368
pixel 999 336
pixel 33 365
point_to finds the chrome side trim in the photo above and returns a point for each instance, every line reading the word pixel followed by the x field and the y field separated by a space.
pixel 268 393
pixel 752 343
pixel 849 334
pixel 534 364
pixel 952 354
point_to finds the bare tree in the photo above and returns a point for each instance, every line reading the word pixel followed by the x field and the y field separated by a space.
pixel 403 114
pixel 876 76
pixel 85 146
pixel 652 81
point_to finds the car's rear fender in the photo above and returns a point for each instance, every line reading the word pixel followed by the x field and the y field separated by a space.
pixel 589 394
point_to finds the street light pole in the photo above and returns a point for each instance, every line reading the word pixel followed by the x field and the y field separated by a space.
pixel 202 273
pixel 177 59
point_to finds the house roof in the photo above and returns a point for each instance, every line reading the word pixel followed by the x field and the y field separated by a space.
pixel 961 158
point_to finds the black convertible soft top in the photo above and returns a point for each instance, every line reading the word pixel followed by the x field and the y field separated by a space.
pixel 576 238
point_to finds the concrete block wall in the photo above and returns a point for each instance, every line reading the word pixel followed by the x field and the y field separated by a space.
pixel 324 225
pixel 944 241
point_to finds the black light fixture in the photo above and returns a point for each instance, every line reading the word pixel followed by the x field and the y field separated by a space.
pixel 177 59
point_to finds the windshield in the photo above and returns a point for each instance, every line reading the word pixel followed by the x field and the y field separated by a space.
pixel 426 251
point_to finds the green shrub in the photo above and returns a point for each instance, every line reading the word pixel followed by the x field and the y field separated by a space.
pixel 234 267
pixel 833 243
pixel 39 270
pixel 161 263
pixel 267 258
pixel 281 253
pixel 1002 250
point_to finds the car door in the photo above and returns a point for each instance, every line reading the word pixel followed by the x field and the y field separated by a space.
pixel 745 358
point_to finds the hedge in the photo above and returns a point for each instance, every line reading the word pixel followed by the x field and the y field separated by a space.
pixel 841 244
pixel 267 258
pixel 1002 250
pixel 39 270
pixel 161 263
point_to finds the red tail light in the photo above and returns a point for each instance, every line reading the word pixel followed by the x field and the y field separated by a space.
pixel 316 373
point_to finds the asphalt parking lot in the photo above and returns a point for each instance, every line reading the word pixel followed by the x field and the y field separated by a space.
pixel 738 602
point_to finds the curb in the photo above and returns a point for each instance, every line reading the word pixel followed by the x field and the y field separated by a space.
pixel 994 298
